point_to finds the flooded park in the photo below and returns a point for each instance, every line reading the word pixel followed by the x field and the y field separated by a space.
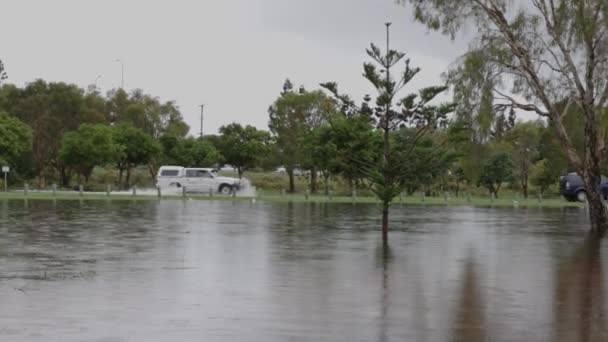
pixel 239 271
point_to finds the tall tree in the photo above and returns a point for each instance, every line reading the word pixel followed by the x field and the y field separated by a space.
pixel 51 110
pixel 243 147
pixel 414 111
pixel 546 57
pixel 292 117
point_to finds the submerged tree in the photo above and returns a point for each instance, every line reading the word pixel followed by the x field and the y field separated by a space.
pixel 388 178
pixel 542 56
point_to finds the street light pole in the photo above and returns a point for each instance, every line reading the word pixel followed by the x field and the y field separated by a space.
pixel 202 108
pixel 122 73
pixel 97 79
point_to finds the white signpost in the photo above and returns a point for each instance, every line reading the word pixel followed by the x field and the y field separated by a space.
pixel 5 170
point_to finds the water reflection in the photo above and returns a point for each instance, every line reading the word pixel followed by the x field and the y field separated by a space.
pixel 469 321
pixel 580 311
pixel 385 257
pixel 215 271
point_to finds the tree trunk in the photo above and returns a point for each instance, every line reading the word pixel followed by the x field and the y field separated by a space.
pixel 313 181
pixel 597 211
pixel 120 171
pixel 240 171
pixel 65 177
pixel 292 184
pixel 385 207
pixel 326 180
pixel 128 179
pixel 524 177
pixel 152 169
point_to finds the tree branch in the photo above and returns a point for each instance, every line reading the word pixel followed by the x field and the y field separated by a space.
pixel 523 106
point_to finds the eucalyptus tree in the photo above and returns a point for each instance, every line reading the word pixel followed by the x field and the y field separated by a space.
pixel 292 117
pixel 541 56
pixel 414 111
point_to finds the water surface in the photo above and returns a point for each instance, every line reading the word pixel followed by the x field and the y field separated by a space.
pixel 222 271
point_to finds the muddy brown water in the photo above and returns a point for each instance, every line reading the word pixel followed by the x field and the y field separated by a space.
pixel 222 271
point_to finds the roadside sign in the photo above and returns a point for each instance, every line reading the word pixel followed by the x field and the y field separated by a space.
pixel 6 169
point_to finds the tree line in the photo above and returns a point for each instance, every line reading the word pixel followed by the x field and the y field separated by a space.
pixel 58 132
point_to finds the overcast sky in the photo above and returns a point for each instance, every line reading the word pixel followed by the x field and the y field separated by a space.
pixel 231 55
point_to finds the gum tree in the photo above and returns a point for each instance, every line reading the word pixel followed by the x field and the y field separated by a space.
pixel 541 56
pixel 414 111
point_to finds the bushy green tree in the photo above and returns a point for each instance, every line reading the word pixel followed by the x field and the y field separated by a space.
pixel 190 152
pixel 15 139
pixel 137 147
pixel 542 176
pixel 495 171
pixel 87 147
pixel 243 147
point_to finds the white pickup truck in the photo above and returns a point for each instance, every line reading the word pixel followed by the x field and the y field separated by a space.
pixel 196 179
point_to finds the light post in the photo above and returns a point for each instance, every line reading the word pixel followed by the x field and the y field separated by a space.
pixel 96 79
pixel 122 73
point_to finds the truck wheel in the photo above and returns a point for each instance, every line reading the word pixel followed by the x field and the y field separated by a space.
pixel 581 196
pixel 225 189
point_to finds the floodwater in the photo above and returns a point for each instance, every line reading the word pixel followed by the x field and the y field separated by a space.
pixel 223 271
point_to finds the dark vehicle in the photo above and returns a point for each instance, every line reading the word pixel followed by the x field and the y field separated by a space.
pixel 573 189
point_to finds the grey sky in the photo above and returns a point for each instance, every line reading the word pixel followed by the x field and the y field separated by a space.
pixel 233 56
